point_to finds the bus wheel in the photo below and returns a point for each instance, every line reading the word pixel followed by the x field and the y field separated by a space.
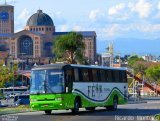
pixel 114 106
pixel 48 112
pixel 75 110
pixel 90 108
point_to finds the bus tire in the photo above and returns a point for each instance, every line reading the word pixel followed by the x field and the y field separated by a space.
pixel 90 108
pixel 75 110
pixel 115 104
pixel 48 112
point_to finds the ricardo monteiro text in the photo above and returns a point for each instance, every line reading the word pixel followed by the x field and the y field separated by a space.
pixel 124 118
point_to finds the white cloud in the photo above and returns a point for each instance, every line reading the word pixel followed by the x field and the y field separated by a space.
pixel 23 15
pixel 142 7
pixel 147 28
pixel 93 14
pixel 57 17
pixel 158 6
pixel 63 28
pixel 111 31
pixel 157 16
pixel 21 19
pixel 115 9
pixel 18 29
pixel 119 30
pixel 77 28
pixel 58 13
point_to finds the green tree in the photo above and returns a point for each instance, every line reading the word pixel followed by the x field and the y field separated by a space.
pixel 133 59
pixel 153 73
pixel 69 48
pixel 7 74
pixel 139 67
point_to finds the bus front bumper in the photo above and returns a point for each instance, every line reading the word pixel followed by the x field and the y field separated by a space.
pixel 47 105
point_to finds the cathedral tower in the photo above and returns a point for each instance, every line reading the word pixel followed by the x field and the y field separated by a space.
pixel 6 25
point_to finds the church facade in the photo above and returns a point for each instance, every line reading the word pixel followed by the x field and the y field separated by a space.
pixel 36 40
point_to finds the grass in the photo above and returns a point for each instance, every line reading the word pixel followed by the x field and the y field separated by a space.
pixel 18 109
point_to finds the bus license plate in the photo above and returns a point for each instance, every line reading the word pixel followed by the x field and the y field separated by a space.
pixel 46 105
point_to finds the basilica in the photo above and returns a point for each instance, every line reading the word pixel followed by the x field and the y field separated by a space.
pixel 35 41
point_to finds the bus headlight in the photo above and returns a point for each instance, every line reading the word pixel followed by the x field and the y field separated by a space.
pixel 32 106
pixel 59 99
pixel 33 100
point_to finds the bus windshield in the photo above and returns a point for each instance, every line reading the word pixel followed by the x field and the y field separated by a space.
pixel 37 82
pixel 47 81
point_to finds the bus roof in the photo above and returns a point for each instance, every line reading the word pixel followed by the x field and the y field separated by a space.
pixel 60 66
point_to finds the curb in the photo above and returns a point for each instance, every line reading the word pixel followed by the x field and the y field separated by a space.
pixel 153 101
pixel 137 102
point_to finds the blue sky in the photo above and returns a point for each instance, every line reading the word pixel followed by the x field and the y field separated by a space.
pixel 113 20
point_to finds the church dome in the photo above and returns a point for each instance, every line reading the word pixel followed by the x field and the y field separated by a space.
pixel 40 19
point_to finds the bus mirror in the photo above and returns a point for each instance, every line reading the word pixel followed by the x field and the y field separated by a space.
pixel 66 89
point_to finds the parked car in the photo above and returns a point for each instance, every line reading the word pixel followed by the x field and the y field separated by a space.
pixel 11 95
pixel 21 100
pixel 2 97
pixel 2 105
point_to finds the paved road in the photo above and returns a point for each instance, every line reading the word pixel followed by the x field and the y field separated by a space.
pixel 132 112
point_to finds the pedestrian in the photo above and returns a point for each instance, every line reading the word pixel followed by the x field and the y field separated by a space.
pixel 138 92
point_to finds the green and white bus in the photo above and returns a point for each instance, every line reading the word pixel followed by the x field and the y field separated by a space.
pixel 71 86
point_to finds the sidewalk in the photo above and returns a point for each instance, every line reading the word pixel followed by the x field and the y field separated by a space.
pixel 136 101
pixel 143 100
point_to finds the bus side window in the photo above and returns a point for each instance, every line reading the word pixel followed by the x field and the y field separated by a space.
pixel 95 75
pixel 85 75
pixel 98 76
pixel 69 77
pixel 76 75
pixel 110 76
pixel 120 76
pixel 103 76
pixel 124 76
pixel 90 75
pixel 117 76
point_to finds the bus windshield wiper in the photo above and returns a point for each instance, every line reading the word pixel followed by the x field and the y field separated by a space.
pixel 48 87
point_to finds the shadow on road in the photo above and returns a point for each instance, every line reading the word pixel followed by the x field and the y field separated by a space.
pixel 99 114
pixel 122 112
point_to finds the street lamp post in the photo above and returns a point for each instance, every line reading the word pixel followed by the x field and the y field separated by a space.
pixel 22 56
pixel 11 69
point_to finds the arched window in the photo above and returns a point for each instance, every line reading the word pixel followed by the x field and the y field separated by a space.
pixel 25 45
pixel 48 49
